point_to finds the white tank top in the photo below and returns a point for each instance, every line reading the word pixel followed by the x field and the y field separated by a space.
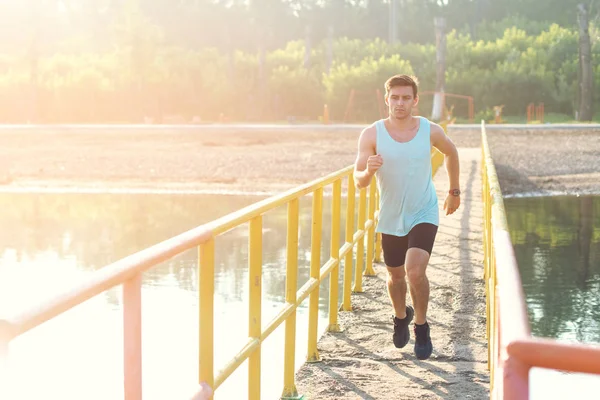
pixel 407 193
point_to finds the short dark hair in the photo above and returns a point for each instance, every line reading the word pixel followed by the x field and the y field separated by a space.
pixel 402 80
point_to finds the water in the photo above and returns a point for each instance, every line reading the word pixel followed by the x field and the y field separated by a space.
pixel 557 245
pixel 49 242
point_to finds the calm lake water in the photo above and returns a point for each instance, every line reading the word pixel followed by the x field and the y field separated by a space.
pixel 49 242
pixel 557 245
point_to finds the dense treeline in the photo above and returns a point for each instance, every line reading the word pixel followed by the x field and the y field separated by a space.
pixel 113 61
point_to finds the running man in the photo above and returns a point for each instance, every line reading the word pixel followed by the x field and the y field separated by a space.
pixel 397 151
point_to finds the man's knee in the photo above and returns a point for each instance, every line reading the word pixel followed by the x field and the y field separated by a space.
pixel 416 265
pixel 396 275
pixel 415 274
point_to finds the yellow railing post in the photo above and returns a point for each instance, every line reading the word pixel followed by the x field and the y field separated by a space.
pixel 255 249
pixel 350 210
pixel 132 338
pixel 291 286
pixel 315 273
pixel 377 257
pixel 335 254
pixel 494 333
pixel 484 197
pixel 378 249
pixel 487 263
pixel 360 246
pixel 5 338
pixel 206 287
pixel 486 257
pixel 490 258
pixel 371 234
pixel 3 352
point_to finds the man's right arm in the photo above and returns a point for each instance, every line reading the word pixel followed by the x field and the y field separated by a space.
pixel 366 149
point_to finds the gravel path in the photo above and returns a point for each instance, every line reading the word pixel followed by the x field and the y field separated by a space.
pixel 361 362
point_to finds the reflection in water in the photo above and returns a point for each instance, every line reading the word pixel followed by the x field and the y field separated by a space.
pixel 54 241
pixel 557 245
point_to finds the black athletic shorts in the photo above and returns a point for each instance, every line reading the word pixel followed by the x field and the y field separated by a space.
pixel 394 248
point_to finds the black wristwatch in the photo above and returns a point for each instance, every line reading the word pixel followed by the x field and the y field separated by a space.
pixel 455 192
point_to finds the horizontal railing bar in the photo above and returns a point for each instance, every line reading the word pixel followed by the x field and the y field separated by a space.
pixel 552 354
pixel 234 219
pixel 498 211
pixel 508 321
pixel 327 267
pixel 106 278
pixel 306 290
pixel 301 295
pixel 238 359
pixel 513 312
pixel 285 312
pixel 345 249
pixel 358 235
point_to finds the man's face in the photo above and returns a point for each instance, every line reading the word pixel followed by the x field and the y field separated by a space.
pixel 400 102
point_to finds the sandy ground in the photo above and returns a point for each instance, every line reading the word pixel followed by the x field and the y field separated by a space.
pixel 205 160
pixel 360 362
pixel 552 161
pixel 267 161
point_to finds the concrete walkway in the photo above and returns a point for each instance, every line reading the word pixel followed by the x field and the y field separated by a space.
pixel 362 363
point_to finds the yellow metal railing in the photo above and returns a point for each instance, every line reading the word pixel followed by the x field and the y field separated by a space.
pixel 511 349
pixel 128 272
pixel 498 251
pixel 294 297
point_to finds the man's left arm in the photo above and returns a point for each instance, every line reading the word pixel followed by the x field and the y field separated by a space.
pixel 442 142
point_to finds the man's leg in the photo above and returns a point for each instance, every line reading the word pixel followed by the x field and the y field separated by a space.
pixel 396 285
pixel 420 244
pixel 416 266
pixel 403 315
pixel 394 254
